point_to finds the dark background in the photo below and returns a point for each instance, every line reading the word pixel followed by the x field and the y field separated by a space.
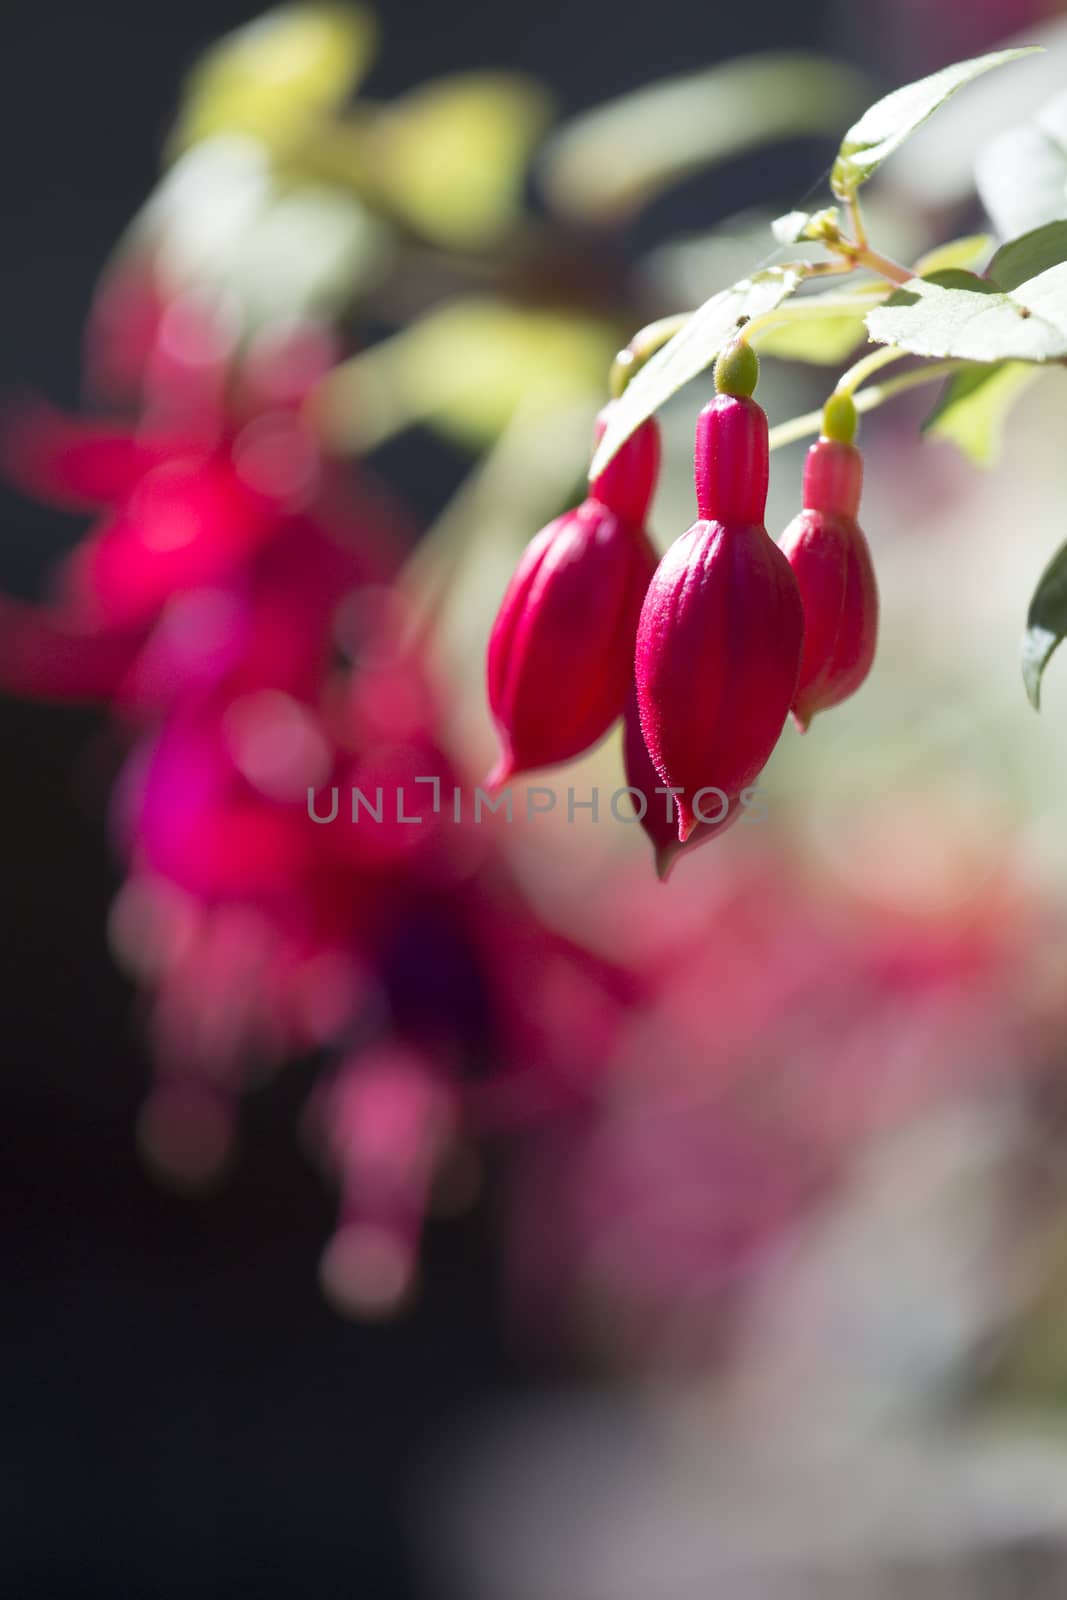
pixel 182 1414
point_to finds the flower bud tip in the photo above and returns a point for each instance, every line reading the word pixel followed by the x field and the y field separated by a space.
pixel 500 774
pixel 686 822
pixel 665 858
pixel 736 369
pixel 839 418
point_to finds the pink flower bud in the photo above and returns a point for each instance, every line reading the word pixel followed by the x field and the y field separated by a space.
pixel 716 811
pixel 730 461
pixel 562 647
pixel 828 552
pixel 628 482
pixel 721 629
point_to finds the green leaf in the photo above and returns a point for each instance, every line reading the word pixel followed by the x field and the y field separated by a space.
pixel 814 225
pixel 831 328
pixel 607 163
pixel 958 314
pixel 885 125
pixel 465 368
pixel 222 224
pixel 1046 624
pixel 276 76
pixel 791 228
pixel 974 405
pixel 1029 255
pixel 1021 175
pixel 965 252
pixel 692 350
pixel 450 157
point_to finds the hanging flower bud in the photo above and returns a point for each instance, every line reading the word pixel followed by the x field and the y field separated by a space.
pixel 721 629
pixel 628 482
pixel 828 552
pixel 657 808
pixel 562 647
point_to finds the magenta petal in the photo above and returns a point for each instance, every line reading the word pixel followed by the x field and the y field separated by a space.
pixel 187 524
pixel 189 818
pixel 46 659
pixel 77 465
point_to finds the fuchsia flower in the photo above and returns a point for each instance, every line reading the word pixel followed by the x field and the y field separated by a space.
pixel 742 1089
pixel 659 818
pixel 720 632
pixel 234 603
pixel 561 652
pixel 827 550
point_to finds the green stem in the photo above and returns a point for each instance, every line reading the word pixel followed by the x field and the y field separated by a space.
pixel 850 381
pixel 852 253
pixel 859 231
pixel 856 252
pixel 645 343
pixel 864 256
pixel 867 400
pixel 815 308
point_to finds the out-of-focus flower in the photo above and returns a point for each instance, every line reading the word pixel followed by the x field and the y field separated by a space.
pixel 387 1116
pixel 745 1089
pixel 296 881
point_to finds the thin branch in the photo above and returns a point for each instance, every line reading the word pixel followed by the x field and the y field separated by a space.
pixel 866 400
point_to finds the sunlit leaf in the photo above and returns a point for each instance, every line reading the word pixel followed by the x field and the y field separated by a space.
pixel 692 350
pixel 962 253
pixel 974 406
pixel 958 314
pixel 465 368
pixel 790 229
pixel 607 163
pixel 220 222
pixel 1046 625
pixel 277 75
pixel 934 169
pixel 885 125
pixel 798 225
pixel 823 340
pixel 1029 255
pixel 309 252
pixel 450 157
pixel 1022 174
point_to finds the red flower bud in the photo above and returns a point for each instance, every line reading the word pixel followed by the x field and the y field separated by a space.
pixel 628 482
pixel 659 818
pixel 828 552
pixel 562 647
pixel 721 629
